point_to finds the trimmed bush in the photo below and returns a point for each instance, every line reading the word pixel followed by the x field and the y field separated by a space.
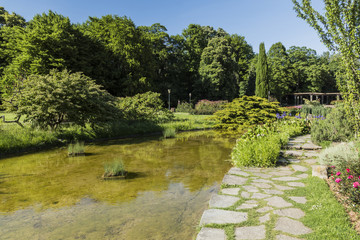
pixel 245 112
pixel 185 108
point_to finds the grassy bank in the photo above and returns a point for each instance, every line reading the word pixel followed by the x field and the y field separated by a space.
pixel 16 139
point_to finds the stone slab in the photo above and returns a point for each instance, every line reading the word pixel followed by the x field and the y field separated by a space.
pixel 230 191
pixel 311 154
pixel 285 179
pixel 264 209
pixel 291 226
pixel 281 173
pixel 278 202
pixel 299 168
pixel 302 176
pixel 280 187
pixel 260 195
pixel 296 184
pixel 273 191
pixel 310 146
pixel 295 153
pixel 264 218
pixel 262 185
pixel 211 234
pixel 284 237
pixel 219 216
pixel 247 206
pixel 301 200
pixel 251 189
pixel 238 171
pixel 319 171
pixel 253 232
pixel 262 181
pixel 262 175
pixel 245 195
pixel 233 180
pixel 290 212
pixel 293 160
pixel 222 201
pixel 311 161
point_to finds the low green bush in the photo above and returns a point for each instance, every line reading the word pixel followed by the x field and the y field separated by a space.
pixel 260 146
pixel 207 107
pixel 335 128
pixel 76 148
pixel 342 156
pixel 147 106
pixel 185 107
pixel 245 112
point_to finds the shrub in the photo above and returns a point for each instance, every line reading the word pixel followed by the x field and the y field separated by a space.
pixel 336 127
pixel 51 99
pixel 245 112
pixel 147 106
pixel 260 146
pixel 342 156
pixel 206 107
pixel 185 108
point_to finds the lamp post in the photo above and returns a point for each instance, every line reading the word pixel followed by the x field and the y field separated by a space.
pixel 190 98
pixel 169 91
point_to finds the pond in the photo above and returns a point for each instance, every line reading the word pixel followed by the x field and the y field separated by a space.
pixel 49 195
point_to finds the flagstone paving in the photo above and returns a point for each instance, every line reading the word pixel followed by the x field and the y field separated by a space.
pixel 251 198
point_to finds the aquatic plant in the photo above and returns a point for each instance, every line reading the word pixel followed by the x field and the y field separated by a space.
pixel 76 148
pixel 169 132
pixel 116 168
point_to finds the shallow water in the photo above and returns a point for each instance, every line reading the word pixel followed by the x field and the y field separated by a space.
pixel 49 195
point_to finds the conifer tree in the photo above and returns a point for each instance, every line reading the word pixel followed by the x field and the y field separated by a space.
pixel 262 83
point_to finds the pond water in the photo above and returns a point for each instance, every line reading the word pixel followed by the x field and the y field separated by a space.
pixel 49 195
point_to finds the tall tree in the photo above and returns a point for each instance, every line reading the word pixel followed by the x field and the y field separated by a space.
pixel 262 79
pixel 218 71
pixel 339 30
pixel 282 79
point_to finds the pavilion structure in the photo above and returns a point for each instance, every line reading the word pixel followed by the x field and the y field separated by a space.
pixel 325 98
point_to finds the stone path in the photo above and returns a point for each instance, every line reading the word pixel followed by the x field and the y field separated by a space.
pixel 254 201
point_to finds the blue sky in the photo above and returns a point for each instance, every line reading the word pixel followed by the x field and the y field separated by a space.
pixel 267 21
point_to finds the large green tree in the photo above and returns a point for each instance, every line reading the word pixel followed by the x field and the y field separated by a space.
pixel 338 29
pixel 218 71
pixel 282 78
pixel 48 100
pixel 262 77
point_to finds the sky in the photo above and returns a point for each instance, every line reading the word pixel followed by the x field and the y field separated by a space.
pixel 268 21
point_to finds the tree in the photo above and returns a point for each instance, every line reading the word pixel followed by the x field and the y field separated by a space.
pixel 339 30
pixel 282 79
pixel 49 100
pixel 262 80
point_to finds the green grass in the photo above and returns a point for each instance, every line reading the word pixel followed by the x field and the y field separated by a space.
pixel 324 214
pixel 16 139
pixel 76 148
pixel 169 133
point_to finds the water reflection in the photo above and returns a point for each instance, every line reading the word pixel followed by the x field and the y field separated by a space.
pixel 169 186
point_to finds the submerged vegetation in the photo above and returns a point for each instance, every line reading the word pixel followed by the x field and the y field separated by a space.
pixel 76 148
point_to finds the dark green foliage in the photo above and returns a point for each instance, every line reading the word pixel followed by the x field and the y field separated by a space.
pixel 262 78
pixel 246 111
pixel 147 106
pixel 52 99
pixel 336 127
pixel 206 107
